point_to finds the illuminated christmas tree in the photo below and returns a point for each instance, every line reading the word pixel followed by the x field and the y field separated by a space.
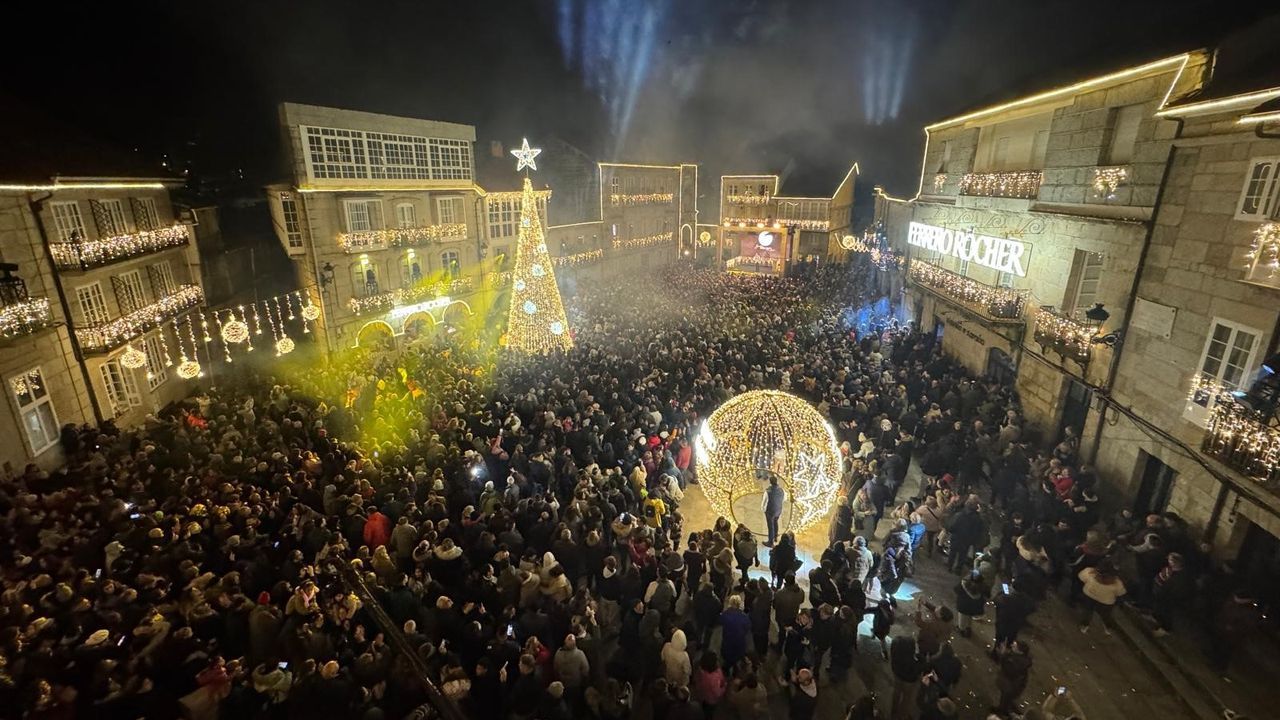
pixel 536 321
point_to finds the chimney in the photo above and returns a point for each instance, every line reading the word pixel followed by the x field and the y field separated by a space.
pixel 495 149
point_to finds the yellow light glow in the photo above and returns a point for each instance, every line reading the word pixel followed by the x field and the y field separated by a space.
pixel 1011 184
pixel 1235 101
pixel 72 185
pixel 1259 118
pixel 762 433
pixel 525 156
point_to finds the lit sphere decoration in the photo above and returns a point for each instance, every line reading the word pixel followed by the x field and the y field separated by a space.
pixel 519 285
pixel 848 242
pixel 763 433
pixel 557 328
pixel 542 247
pixel 537 270
pixel 284 345
pixel 188 369
pixel 311 312
pixel 235 331
pixel 133 358
pixel 529 307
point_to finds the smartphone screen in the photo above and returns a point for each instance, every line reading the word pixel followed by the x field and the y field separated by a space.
pixel 511 630
pixel 283 665
pixel 97 573
pixel 1005 586
pixel 1062 690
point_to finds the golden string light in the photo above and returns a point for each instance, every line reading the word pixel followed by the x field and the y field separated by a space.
pixel 164 342
pixel 1013 184
pixel 1264 251
pixel 133 358
pixel 645 241
pixel 762 434
pixel 25 317
pixel 120 330
pixel 1107 179
pixel 939 182
pixel 257 322
pixel 366 240
pixel 626 199
pixel 1067 336
pixel 1007 303
pixel 743 222
pixel 749 199
pixel 1241 439
pixel 578 258
pixel 536 321
pixel 84 254
pixel 234 330
pixel 222 332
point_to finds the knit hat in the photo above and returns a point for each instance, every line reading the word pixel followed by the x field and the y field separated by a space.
pixel 97 638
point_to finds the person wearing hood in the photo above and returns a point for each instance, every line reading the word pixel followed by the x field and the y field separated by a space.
pixel 403 540
pixel 676 667
pixel 447 564
pixel 572 667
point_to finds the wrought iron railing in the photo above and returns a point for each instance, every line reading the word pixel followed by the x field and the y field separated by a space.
pixel 1012 184
pixel 1065 335
pixel 366 240
pixel 1241 439
pixel 996 302
pixel 85 254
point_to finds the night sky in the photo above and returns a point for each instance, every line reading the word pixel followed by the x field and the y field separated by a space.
pixel 735 85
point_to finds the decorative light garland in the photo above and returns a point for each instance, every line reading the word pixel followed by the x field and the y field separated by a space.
pixel 25 317
pixel 762 434
pixel 748 261
pixel 1107 179
pixel 939 182
pixel 26 384
pixel 578 258
pixel 751 222
pixel 1067 336
pixel 400 296
pixel 235 330
pixel 998 302
pixel 84 254
pixel 625 199
pixel 1264 251
pixel 1241 439
pixel 705 239
pixel 191 368
pixel 802 224
pixel 1023 184
pixel 133 358
pixel 111 334
pixel 646 241
pixel 749 199
pixel 366 240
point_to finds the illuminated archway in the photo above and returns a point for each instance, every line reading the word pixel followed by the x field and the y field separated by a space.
pixel 456 312
pixel 376 333
pixel 419 324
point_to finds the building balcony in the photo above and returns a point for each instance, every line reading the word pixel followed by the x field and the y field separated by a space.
pixel 751 223
pixel 86 254
pixel 1242 440
pixel 748 199
pixel 581 258
pixel 384 301
pixel 369 240
pixel 1064 335
pixel 633 199
pixel 20 314
pixel 997 303
pixel 646 241
pixel 1024 184
pixel 109 335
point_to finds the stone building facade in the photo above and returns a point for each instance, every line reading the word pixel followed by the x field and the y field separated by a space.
pixel 1031 213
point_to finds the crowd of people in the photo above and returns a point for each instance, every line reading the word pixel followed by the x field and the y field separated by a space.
pixel 444 526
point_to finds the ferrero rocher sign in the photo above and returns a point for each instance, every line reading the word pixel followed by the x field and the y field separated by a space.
pixel 1002 254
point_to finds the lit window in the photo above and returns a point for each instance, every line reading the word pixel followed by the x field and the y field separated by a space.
pixel 292 222
pixel 67 221
pixel 363 215
pixel 156 374
pixel 1228 355
pixel 410 269
pixel 1086 274
pixel 121 387
pixel 503 217
pixel 364 279
pixel 1258 199
pixel 449 262
pixel 39 420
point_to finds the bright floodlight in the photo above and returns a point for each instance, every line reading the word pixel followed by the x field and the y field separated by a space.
pixel 760 434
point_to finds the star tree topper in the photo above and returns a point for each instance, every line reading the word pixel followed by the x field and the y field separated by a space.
pixel 525 156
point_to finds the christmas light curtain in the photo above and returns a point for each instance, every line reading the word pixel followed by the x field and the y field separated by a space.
pixel 536 320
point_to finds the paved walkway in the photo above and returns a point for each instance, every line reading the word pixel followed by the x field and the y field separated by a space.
pixel 1104 674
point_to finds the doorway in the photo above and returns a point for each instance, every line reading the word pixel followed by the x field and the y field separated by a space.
pixel 1259 564
pixel 1000 367
pixel 1156 485
pixel 1075 408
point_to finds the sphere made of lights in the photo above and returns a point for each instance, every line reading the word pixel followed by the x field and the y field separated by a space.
pixel 557 328
pixel 765 433
pixel 765 239
pixel 848 242
pixel 133 358
pixel 519 285
pixel 188 369
pixel 311 312
pixel 284 345
pixel 537 270
pixel 529 307
pixel 235 331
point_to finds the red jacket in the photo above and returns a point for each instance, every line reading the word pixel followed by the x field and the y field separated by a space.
pixel 377 530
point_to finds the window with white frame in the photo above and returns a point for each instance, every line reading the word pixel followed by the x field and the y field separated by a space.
pixel 450 159
pixel 93 305
pixel 130 295
pixel 334 153
pixel 406 215
pixel 1086 274
pixel 112 218
pixel 363 215
pixel 145 213
pixel 410 268
pixel 156 373
pixel 449 262
pixel 503 217
pixel 165 283
pixel 121 387
pixel 449 210
pixel 364 278
pixel 35 406
pixel 1260 198
pixel 1228 356
pixel 292 221
pixel 67 221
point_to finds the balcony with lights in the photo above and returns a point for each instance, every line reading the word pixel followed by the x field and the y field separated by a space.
pixel 1021 184
pixel 634 199
pixel 1243 440
pixel 107 336
pixel 20 314
pixel 384 301
pixel 1064 335
pixel 805 213
pixel 369 240
pixel 998 304
pixel 86 254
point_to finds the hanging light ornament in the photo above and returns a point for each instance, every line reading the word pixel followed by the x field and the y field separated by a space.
pixel 257 322
pixel 222 331
pixel 188 369
pixel 284 345
pixel 235 331
pixel 133 358
pixel 763 434
pixel 310 311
